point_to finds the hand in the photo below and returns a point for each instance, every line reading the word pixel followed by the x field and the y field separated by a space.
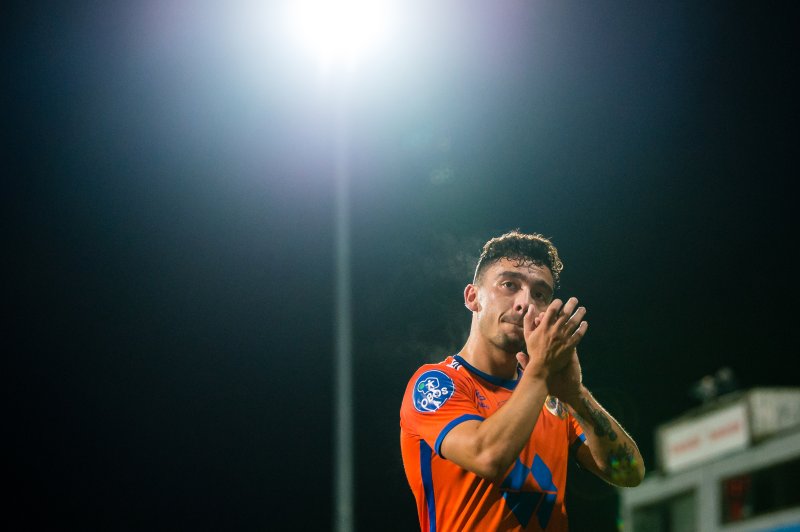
pixel 566 384
pixel 551 336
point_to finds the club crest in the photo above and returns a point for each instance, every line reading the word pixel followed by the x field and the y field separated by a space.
pixel 432 389
pixel 555 407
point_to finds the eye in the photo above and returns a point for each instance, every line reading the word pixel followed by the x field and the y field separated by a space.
pixel 543 296
pixel 510 285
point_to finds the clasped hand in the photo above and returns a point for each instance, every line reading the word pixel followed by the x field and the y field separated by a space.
pixel 551 338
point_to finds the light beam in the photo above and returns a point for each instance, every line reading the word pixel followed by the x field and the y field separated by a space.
pixel 341 34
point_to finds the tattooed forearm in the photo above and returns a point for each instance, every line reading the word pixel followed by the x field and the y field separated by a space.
pixel 621 464
pixel 614 456
pixel 601 424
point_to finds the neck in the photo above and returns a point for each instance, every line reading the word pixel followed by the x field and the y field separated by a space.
pixel 489 358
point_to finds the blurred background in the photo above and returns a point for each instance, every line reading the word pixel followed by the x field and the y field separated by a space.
pixel 171 171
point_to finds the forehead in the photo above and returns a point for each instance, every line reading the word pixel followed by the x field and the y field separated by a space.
pixel 532 273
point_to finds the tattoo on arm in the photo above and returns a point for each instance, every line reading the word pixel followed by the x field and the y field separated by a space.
pixel 621 463
pixel 601 424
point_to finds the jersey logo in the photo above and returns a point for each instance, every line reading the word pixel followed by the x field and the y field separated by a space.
pixel 455 364
pixel 432 389
pixel 524 501
pixel 555 407
pixel 480 399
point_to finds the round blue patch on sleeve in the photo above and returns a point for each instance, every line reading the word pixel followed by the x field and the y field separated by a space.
pixel 432 389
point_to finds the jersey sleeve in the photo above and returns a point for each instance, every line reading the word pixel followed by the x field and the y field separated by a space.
pixel 437 399
pixel 576 434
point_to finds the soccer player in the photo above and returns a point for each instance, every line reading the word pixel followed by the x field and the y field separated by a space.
pixel 486 433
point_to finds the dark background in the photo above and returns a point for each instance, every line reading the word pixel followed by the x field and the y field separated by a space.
pixel 169 232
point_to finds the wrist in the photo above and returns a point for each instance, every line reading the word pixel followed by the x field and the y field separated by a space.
pixel 538 372
pixel 575 399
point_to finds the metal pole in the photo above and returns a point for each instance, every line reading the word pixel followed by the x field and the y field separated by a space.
pixel 343 443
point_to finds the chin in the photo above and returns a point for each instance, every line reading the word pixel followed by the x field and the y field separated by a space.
pixel 511 344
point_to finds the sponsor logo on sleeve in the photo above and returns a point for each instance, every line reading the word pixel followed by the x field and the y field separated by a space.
pixel 432 389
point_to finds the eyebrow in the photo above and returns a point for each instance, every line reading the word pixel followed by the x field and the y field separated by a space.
pixel 524 278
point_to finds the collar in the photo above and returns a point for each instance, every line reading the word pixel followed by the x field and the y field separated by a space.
pixel 497 381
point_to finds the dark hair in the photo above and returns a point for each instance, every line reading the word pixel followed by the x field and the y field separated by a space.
pixel 525 248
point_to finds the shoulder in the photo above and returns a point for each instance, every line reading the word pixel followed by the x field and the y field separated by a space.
pixel 447 371
pixel 433 384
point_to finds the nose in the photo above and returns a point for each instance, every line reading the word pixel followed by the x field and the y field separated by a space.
pixel 522 301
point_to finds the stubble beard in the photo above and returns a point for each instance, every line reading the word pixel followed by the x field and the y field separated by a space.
pixel 505 341
pixel 509 344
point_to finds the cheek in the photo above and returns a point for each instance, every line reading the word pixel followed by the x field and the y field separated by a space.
pixel 487 306
pixel 495 305
pixel 486 301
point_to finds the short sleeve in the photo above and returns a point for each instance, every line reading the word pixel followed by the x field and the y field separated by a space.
pixel 576 435
pixel 437 399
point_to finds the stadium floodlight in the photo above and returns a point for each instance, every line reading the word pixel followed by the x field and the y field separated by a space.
pixel 341 33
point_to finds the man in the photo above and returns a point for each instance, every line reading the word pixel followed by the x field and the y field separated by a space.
pixel 486 434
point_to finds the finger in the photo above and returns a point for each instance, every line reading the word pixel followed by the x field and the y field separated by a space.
pixel 578 335
pixel 570 305
pixel 529 322
pixel 523 359
pixel 551 314
pixel 574 321
pixel 568 309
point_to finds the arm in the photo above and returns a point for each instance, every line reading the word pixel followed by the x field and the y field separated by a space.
pixel 609 452
pixel 489 447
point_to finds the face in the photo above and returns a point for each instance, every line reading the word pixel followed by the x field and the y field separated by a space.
pixel 501 298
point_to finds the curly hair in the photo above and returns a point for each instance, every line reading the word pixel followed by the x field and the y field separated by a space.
pixel 524 248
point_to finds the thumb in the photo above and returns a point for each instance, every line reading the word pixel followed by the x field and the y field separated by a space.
pixel 523 359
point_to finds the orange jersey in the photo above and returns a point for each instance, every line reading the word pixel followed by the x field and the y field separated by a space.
pixel 530 497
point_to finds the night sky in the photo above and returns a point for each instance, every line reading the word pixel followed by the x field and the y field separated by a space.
pixel 169 226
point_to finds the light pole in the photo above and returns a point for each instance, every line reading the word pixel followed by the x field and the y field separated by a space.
pixel 340 33
pixel 343 371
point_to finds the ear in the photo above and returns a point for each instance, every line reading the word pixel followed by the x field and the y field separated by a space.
pixel 471 298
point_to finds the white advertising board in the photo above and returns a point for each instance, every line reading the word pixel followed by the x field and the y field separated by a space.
pixel 698 440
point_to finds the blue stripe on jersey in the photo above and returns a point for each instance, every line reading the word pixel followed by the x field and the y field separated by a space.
pixel 450 426
pixel 577 443
pixel 425 456
pixel 497 381
pixel 544 477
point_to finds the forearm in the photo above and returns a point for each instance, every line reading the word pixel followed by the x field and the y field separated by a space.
pixel 507 431
pixel 490 447
pixel 615 454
